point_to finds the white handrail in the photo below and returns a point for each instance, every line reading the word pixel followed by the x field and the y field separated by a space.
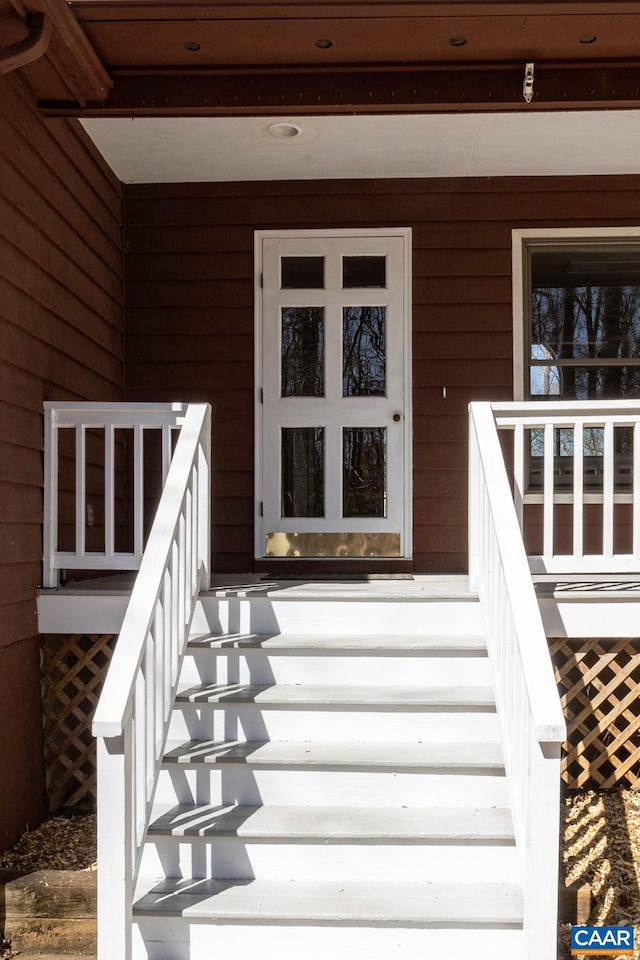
pixel 132 717
pixel 527 699
pixel 76 418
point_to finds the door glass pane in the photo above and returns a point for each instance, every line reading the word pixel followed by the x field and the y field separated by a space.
pixel 364 272
pixel 302 273
pixel 302 472
pixel 363 349
pixel 302 352
pixel 364 472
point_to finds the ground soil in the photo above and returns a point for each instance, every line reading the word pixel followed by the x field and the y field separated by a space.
pixel 600 844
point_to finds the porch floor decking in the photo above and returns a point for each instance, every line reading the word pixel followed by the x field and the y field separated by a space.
pixel 598 606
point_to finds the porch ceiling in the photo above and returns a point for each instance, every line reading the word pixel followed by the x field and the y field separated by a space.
pixel 193 149
pixel 393 88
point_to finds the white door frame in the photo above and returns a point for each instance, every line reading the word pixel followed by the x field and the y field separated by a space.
pixel 407 426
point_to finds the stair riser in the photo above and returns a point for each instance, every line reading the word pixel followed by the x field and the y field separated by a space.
pixel 261 668
pixel 239 783
pixel 349 616
pixel 241 860
pixel 253 723
pixel 168 939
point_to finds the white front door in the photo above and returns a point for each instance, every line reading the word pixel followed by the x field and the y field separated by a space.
pixel 333 394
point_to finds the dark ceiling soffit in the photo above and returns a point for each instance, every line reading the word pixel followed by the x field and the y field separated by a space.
pixel 31 48
pixel 366 90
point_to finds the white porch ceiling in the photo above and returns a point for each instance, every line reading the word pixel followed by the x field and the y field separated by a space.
pixel 193 149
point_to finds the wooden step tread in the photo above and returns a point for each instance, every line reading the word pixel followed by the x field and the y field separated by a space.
pixel 336 824
pixel 402 904
pixel 392 645
pixel 369 756
pixel 330 696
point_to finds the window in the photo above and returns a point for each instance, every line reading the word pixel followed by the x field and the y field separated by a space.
pixel 580 302
pixel 577 336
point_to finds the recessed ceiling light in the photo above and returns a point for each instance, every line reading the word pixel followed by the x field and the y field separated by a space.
pixel 588 38
pixel 457 41
pixel 324 44
pixel 191 45
pixel 284 131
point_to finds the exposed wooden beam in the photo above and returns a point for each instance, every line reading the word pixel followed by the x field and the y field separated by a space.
pixel 383 89
pixel 77 61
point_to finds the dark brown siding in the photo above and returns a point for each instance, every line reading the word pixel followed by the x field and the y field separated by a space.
pixel 61 336
pixel 190 313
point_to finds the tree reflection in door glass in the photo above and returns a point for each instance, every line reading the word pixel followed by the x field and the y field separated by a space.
pixel 302 472
pixel 364 472
pixel 363 348
pixel 302 352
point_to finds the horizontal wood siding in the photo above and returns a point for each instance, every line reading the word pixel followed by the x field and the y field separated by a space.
pixel 189 263
pixel 61 332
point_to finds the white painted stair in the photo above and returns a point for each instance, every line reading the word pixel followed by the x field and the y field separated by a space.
pixel 333 792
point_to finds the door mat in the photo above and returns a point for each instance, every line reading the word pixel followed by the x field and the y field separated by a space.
pixel 323 577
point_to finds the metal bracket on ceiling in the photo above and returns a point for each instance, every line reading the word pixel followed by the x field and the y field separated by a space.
pixel 527 86
pixel 31 48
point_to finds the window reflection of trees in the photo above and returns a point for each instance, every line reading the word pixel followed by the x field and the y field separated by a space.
pixel 302 352
pixel 364 472
pixel 596 324
pixel 590 333
pixel 363 346
pixel 302 472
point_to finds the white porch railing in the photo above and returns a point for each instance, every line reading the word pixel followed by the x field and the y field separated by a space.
pixel 131 720
pixel 98 433
pixel 580 462
pixel 528 704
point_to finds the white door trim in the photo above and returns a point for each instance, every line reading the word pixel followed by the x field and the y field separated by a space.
pixel 405 234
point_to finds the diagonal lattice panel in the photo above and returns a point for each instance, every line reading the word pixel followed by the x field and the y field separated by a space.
pixel 599 682
pixel 73 671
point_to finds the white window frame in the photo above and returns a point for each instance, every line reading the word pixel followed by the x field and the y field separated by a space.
pixel 522 242
pixel 405 234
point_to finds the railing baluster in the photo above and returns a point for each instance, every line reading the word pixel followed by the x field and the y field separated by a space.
pixel 166 451
pixel 138 490
pixel 520 462
pixel 636 489
pixel 548 505
pixel 109 490
pixel 81 490
pixel 607 490
pixel 578 489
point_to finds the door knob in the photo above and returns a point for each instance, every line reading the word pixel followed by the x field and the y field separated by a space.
pixel 397 418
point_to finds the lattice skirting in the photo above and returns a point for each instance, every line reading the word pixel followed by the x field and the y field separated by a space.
pixel 599 682
pixel 73 671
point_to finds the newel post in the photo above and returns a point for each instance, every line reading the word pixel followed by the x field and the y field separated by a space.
pixel 115 845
